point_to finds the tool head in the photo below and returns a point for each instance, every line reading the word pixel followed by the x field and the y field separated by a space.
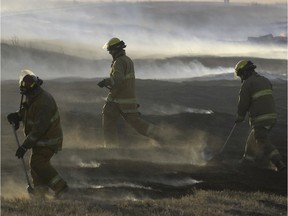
pixel 211 156
pixel 30 189
pixel 207 154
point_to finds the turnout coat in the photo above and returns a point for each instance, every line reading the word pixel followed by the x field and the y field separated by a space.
pixel 256 98
pixel 41 122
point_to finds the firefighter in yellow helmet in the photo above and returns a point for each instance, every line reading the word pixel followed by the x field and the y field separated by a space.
pixel 121 100
pixel 256 98
pixel 42 128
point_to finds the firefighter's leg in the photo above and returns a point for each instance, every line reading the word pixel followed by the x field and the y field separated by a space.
pixel 143 127
pixel 110 116
pixel 136 122
pixel 269 151
pixel 43 173
pixel 40 187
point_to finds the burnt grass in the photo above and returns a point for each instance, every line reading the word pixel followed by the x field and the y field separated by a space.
pixel 158 176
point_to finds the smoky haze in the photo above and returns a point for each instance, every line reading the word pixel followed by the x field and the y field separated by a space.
pixel 151 30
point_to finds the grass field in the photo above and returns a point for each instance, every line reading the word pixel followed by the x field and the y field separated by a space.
pixel 201 203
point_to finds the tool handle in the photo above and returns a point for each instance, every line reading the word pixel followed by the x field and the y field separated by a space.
pixel 21 102
pixel 228 138
pixel 23 163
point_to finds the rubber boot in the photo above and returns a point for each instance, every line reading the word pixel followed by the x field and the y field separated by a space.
pixel 280 166
pixel 60 188
pixel 246 162
pixel 58 185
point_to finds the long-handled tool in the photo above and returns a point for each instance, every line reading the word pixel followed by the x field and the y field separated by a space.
pixel 29 187
pixel 210 155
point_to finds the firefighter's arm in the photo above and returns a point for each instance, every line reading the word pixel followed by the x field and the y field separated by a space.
pixel 118 74
pixel 14 119
pixel 116 77
pixel 42 120
pixel 102 83
pixel 243 103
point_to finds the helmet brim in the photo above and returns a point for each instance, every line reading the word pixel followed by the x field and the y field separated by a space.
pixel 23 73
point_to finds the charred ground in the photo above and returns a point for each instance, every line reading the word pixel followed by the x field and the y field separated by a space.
pixel 139 167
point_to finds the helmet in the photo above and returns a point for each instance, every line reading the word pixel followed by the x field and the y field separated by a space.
pixel 28 82
pixel 114 43
pixel 244 69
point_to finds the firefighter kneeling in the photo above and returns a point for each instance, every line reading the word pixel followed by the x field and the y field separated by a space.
pixel 42 128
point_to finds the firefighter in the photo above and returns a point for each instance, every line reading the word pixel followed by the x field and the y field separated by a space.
pixel 121 100
pixel 256 98
pixel 43 134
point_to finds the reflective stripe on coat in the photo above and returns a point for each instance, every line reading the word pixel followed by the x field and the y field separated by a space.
pixel 255 98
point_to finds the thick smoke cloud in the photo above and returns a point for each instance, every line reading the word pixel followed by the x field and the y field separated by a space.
pixel 149 29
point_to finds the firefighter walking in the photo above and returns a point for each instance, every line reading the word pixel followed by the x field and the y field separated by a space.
pixel 42 128
pixel 121 100
pixel 256 98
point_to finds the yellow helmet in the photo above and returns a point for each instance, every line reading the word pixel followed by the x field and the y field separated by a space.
pixel 244 67
pixel 114 43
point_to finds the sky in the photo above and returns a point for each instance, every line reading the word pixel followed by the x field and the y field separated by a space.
pixel 231 1
pixel 10 6
pixel 20 3
pixel 155 25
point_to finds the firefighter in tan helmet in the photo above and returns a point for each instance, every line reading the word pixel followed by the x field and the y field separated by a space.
pixel 256 98
pixel 121 100
pixel 42 128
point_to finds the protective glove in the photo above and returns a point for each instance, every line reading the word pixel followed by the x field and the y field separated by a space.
pixel 21 151
pixel 239 119
pixel 14 118
pixel 102 83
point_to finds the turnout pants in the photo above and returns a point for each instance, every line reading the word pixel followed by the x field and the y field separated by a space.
pixel 110 115
pixel 42 172
pixel 258 146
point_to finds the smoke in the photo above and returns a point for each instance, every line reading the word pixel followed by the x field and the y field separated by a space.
pixel 11 189
pixel 82 137
pixel 84 149
pixel 157 109
pixel 180 182
pixel 82 164
pixel 50 67
pixel 178 146
pixel 193 147
pixel 176 69
pixel 149 29
pixel 91 164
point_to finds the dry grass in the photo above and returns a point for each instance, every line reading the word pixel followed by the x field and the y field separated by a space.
pixel 201 203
